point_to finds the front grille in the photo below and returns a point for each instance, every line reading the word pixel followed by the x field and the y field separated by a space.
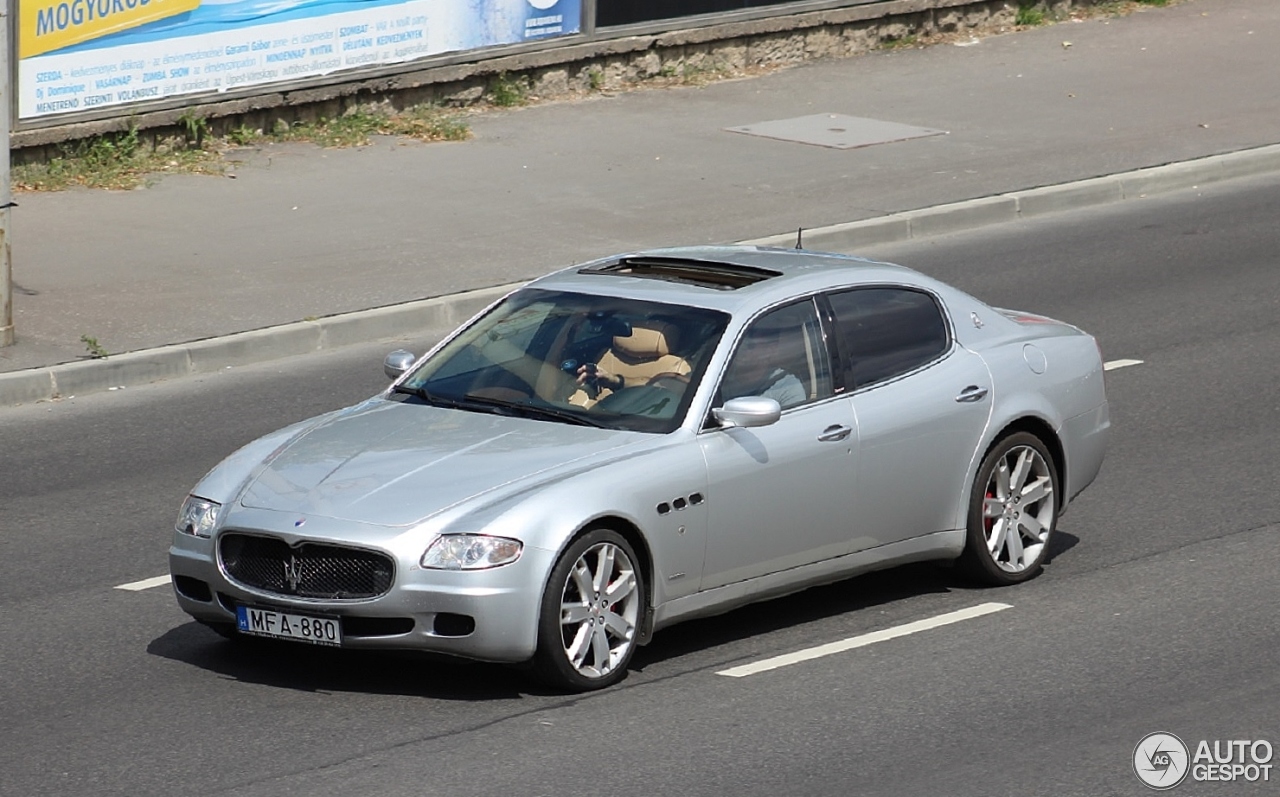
pixel 310 570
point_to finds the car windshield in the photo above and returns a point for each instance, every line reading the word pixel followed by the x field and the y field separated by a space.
pixel 574 358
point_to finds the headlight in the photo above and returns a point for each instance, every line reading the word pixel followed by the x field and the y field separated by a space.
pixel 197 517
pixel 470 552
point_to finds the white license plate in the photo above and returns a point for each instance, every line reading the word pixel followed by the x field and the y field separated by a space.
pixel 284 625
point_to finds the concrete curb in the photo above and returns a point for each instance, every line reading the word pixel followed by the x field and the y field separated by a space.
pixel 975 213
pixel 446 312
pixel 442 313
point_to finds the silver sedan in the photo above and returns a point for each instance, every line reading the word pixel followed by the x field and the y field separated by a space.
pixel 644 439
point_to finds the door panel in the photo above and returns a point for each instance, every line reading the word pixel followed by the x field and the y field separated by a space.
pixel 922 402
pixel 780 496
pixel 918 436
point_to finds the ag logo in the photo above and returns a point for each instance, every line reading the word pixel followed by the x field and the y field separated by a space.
pixel 1160 760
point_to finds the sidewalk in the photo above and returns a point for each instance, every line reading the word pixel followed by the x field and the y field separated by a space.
pixel 302 233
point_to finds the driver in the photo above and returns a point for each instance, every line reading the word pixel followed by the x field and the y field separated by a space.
pixel 632 360
pixel 594 374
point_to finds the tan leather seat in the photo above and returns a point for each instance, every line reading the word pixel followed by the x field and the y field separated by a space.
pixel 637 358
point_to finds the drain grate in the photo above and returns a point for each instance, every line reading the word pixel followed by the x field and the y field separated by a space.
pixel 836 130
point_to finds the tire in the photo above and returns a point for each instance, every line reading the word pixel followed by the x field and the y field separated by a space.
pixel 591 612
pixel 1013 510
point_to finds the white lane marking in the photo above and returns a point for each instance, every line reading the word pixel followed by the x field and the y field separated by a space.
pixel 863 640
pixel 1114 364
pixel 138 586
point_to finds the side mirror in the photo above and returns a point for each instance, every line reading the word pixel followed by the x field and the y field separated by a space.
pixel 748 411
pixel 397 362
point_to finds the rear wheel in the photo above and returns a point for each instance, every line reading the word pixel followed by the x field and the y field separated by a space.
pixel 1012 512
pixel 591 611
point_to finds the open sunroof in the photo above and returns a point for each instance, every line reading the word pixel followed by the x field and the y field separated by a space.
pixel 703 273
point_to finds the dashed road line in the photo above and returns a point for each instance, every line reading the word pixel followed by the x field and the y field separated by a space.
pixel 863 640
pixel 1114 364
pixel 148 583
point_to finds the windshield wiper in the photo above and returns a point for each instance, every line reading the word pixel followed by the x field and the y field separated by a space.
pixel 425 395
pixel 473 402
pixel 534 410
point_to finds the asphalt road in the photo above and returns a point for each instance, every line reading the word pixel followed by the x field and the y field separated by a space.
pixel 1156 613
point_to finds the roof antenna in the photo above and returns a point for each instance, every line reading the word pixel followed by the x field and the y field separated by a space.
pixel 799 234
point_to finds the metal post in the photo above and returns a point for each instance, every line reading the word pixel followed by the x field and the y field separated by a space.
pixel 6 194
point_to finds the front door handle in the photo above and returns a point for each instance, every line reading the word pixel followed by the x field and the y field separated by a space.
pixel 971 394
pixel 834 433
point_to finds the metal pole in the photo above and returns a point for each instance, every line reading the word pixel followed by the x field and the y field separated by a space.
pixel 6 194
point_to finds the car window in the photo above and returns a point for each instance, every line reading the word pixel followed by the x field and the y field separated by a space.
pixel 527 355
pixel 503 342
pixel 782 355
pixel 885 332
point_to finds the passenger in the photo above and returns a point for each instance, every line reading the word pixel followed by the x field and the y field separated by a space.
pixel 754 371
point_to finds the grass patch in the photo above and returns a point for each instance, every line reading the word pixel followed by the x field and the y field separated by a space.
pixel 123 161
pixel 1029 15
pixel 430 123
pixel 242 136
pixel 703 72
pixel 355 128
pixel 195 129
pixel 116 161
pixel 1118 8
pixel 506 91
pixel 349 130
pixel 910 40
pixel 95 349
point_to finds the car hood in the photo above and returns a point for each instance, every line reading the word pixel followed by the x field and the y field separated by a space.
pixel 396 464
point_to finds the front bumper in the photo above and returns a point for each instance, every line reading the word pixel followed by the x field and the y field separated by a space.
pixel 423 610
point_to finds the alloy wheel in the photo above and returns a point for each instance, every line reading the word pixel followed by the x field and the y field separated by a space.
pixel 1018 510
pixel 599 610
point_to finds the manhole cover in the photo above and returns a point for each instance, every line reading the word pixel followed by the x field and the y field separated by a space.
pixel 835 130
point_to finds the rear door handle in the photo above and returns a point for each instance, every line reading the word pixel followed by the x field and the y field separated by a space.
pixel 834 433
pixel 972 393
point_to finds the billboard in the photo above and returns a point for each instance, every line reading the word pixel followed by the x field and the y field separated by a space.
pixel 78 55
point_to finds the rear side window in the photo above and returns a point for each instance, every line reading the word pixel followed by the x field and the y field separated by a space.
pixel 887 331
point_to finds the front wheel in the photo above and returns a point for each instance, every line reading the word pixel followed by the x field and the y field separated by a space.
pixel 591 611
pixel 1012 512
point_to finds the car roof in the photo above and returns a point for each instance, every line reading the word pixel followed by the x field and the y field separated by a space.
pixel 735 279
